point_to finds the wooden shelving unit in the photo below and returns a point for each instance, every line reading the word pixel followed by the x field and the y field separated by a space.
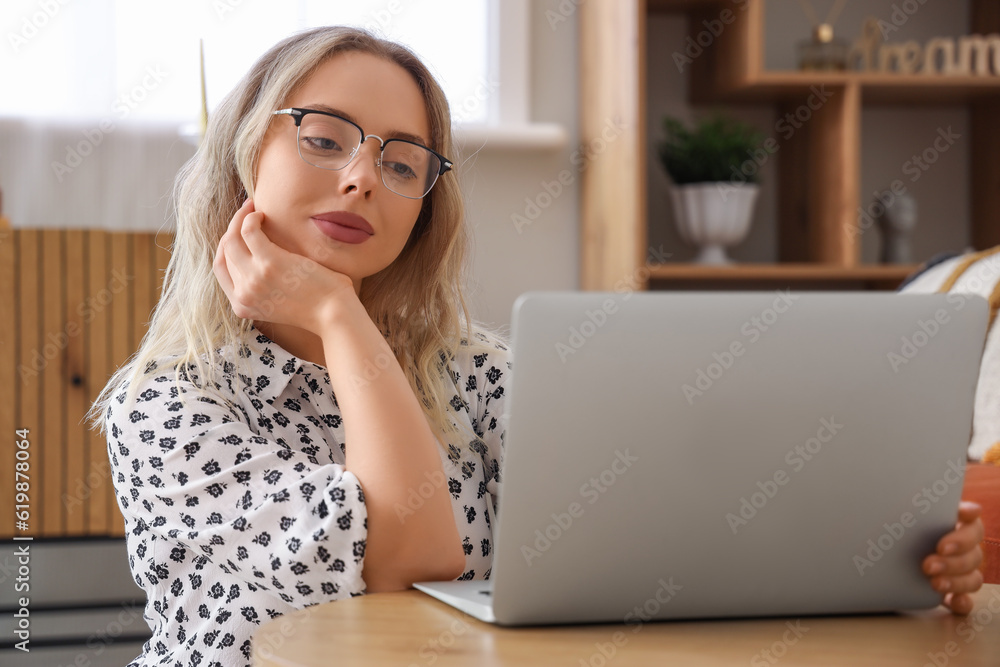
pixel 771 276
pixel 818 168
pixel 781 272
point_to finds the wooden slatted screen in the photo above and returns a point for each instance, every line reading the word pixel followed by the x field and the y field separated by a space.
pixel 74 305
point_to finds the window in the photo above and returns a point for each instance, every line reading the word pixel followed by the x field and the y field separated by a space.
pixel 138 60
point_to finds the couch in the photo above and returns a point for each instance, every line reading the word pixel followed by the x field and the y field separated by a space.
pixel 977 273
pixel 982 485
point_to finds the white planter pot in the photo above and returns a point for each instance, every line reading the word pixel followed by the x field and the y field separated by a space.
pixel 711 216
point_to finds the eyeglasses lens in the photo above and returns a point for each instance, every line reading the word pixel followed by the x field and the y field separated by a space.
pixel 407 169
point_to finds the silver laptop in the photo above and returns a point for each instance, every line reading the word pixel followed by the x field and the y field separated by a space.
pixel 698 455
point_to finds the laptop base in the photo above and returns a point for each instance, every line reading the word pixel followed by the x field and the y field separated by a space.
pixel 474 597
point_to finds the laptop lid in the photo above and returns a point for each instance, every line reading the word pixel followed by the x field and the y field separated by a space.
pixel 676 455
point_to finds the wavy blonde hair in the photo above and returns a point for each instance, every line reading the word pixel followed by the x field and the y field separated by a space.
pixel 416 301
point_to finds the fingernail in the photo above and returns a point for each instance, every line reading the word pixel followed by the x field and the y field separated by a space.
pixel 936 568
pixel 950 548
pixel 944 585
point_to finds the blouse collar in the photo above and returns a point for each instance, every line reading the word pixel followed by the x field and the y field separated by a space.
pixel 274 366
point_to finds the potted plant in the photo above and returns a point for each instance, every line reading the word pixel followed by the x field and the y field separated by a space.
pixel 712 197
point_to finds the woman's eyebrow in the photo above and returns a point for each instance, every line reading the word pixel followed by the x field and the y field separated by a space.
pixel 393 134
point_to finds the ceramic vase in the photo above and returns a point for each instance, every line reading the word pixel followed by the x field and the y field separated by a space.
pixel 712 216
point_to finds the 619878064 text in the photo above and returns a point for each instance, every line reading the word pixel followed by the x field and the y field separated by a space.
pixel 22 514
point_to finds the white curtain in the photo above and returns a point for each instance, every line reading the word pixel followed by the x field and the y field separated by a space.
pixel 90 175
pixel 94 91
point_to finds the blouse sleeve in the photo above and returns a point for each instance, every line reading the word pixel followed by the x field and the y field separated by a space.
pixel 482 374
pixel 201 479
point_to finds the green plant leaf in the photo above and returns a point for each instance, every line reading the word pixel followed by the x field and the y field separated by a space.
pixel 710 152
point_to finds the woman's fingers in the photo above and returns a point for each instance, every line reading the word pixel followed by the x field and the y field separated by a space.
pixel 969 511
pixel 251 234
pixel 220 264
pixel 221 269
pixel 237 219
pixel 964 538
pixel 233 260
pixel 953 566
pixel 961 563
pixel 236 247
pixel 959 603
pixel 966 583
pixel 958 552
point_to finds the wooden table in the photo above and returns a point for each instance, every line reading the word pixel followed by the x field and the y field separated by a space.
pixel 410 629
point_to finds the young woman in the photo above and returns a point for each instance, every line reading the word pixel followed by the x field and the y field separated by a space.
pixel 311 415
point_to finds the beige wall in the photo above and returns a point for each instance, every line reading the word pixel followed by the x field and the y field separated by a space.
pixel 544 254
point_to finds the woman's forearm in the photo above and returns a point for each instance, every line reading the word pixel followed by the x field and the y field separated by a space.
pixel 391 449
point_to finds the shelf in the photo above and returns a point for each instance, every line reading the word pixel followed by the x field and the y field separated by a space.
pixel 669 6
pixel 782 272
pixel 876 87
pixel 733 70
pixel 818 194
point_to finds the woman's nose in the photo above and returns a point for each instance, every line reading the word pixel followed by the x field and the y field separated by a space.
pixel 363 171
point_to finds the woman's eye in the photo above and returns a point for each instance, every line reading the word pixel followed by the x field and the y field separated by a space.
pixel 321 143
pixel 402 170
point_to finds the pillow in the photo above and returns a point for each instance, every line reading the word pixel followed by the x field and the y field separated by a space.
pixel 982 485
pixel 973 273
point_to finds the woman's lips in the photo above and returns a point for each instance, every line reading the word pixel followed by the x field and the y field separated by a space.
pixel 342 233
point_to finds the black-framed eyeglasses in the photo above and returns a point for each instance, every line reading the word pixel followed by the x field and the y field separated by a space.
pixel 327 141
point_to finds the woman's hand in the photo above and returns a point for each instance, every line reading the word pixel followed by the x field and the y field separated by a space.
pixel 265 282
pixel 952 569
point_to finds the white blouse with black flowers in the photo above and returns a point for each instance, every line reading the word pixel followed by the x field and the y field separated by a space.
pixel 238 507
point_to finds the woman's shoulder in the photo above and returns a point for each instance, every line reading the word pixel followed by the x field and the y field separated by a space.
pixel 483 347
pixel 170 381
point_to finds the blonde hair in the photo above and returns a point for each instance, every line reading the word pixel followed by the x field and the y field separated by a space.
pixel 416 302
